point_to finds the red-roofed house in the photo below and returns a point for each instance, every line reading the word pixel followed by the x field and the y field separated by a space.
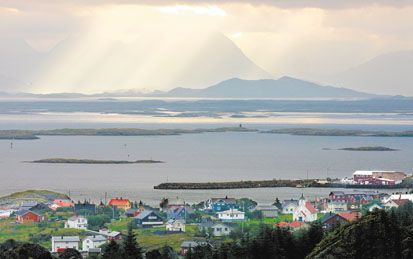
pixel 63 203
pixel 120 203
pixel 395 203
pixel 350 215
pixel 305 211
pixel 295 225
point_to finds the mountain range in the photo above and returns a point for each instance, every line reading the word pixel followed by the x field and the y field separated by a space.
pixel 282 88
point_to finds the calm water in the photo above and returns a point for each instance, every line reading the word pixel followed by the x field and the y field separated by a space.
pixel 197 157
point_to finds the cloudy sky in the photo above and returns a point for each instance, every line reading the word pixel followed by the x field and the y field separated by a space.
pixel 313 40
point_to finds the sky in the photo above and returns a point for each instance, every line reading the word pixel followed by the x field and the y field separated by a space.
pixel 313 40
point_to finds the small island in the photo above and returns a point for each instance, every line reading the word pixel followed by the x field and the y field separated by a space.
pixel 371 148
pixel 91 161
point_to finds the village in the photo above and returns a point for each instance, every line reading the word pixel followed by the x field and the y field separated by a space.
pixel 61 223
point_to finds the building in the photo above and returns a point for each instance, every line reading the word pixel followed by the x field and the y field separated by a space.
pixel 28 216
pixel 268 211
pixel 288 206
pixel 191 245
pixel 178 212
pixel 395 203
pixel 353 197
pixel 175 225
pixel 216 229
pixel 305 211
pixel 120 203
pixel 77 222
pixel 60 243
pixel 295 225
pixel 398 197
pixel 335 206
pixel 331 220
pixel 5 213
pixel 63 203
pixel 221 204
pixel 350 215
pixel 148 218
pixel 231 215
pixel 111 235
pixel 378 177
pixel 92 242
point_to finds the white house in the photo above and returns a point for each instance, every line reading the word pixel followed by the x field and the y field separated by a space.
pixel 288 206
pixel 175 225
pixel 216 229
pixel 60 243
pixel 305 212
pixel 231 215
pixel 78 222
pixel 92 242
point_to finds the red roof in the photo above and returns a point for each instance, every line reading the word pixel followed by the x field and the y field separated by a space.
pixel 310 207
pixel 294 224
pixel 119 202
pixel 401 201
pixel 350 216
pixel 63 203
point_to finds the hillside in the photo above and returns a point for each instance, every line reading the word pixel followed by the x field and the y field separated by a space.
pixel 31 195
pixel 285 87
pixel 389 73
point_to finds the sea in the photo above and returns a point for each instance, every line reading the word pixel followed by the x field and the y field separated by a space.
pixel 206 157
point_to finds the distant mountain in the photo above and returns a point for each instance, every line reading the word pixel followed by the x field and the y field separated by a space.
pixel 78 64
pixel 390 73
pixel 285 87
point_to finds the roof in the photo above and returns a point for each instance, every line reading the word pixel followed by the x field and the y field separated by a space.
pixel 74 218
pixel 289 202
pixel 63 203
pixel 310 207
pixel 188 244
pixel 226 200
pixel 109 233
pixel 172 221
pixel 350 216
pixel 266 208
pixel 144 214
pixel 294 224
pixel 96 238
pixel 329 216
pixel 401 201
pixel 24 212
pixel 65 239
pixel 119 202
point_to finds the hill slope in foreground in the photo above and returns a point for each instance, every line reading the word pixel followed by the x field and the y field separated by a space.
pixel 31 195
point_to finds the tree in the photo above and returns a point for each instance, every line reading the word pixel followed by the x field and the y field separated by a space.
pixel 131 248
pixel 111 250
pixel 13 249
pixel 70 253
pixel 277 203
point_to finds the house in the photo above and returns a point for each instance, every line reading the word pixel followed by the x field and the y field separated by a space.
pixel 33 206
pixel 295 225
pixel 191 245
pixel 373 207
pixel 350 215
pixel 63 203
pixel 305 211
pixel 175 225
pixel 5 213
pixel 133 212
pixel 288 206
pixel 60 243
pixel 395 203
pixel 217 229
pixel 398 197
pixel 221 204
pixel 353 197
pixel 335 206
pixel 27 216
pixel 111 235
pixel 268 211
pixel 85 208
pixel 378 177
pixel 120 203
pixel 331 220
pixel 231 215
pixel 148 218
pixel 178 212
pixel 92 242
pixel 77 222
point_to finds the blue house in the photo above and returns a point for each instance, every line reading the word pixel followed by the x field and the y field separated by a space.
pixel 148 218
pixel 221 204
pixel 178 212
